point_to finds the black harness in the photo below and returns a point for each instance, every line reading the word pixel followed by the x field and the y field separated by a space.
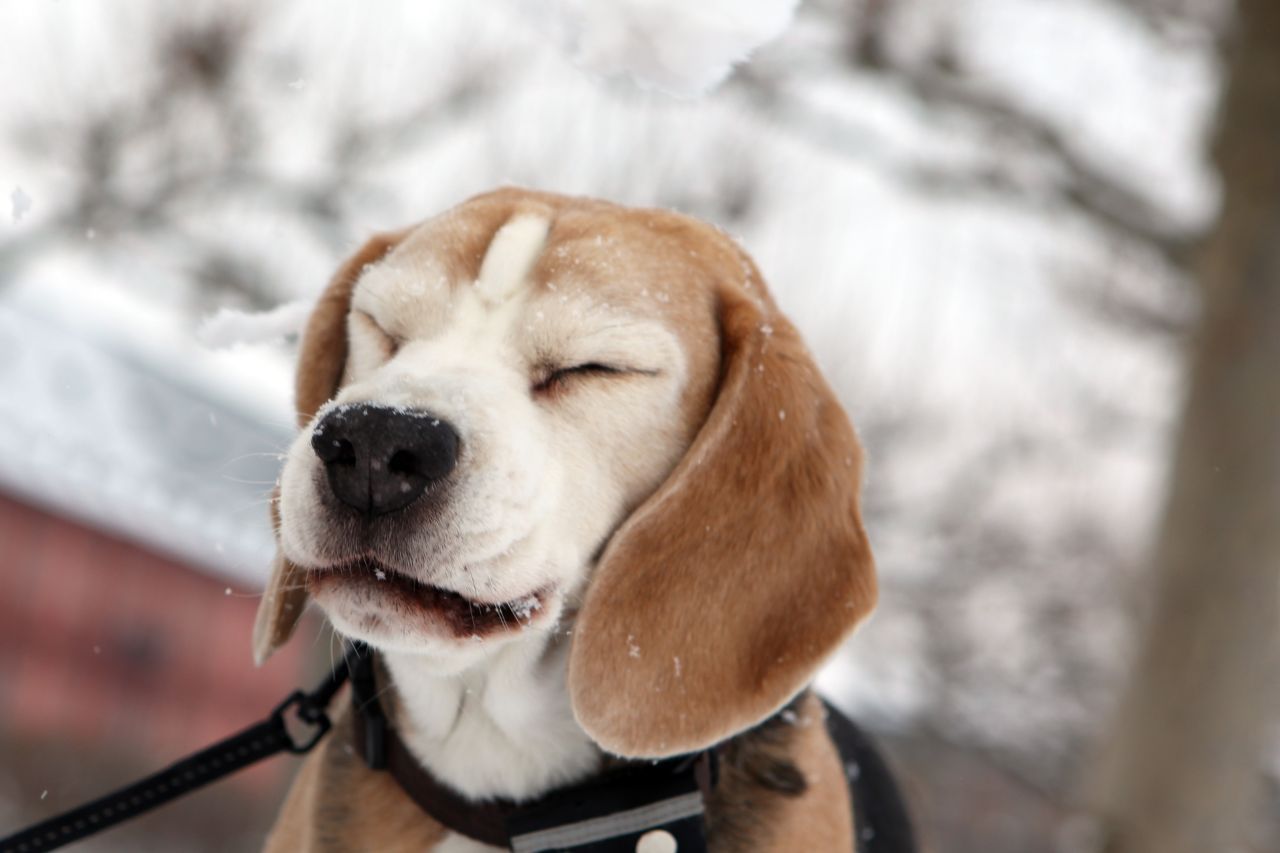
pixel 609 813
pixel 605 813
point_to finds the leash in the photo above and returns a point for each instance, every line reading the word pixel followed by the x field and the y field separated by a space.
pixel 668 795
pixel 249 746
pixel 609 813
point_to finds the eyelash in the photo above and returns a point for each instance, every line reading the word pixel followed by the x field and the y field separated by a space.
pixel 561 375
pixel 390 342
pixel 549 384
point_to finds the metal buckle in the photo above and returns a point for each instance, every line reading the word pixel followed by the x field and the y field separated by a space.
pixel 308 713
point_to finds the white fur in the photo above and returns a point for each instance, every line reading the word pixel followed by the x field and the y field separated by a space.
pixel 503 728
pixel 541 484
pixel 511 255
pixel 500 728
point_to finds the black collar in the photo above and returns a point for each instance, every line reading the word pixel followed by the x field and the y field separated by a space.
pixel 610 811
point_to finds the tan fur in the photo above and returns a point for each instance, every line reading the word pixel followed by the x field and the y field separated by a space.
pixel 338 805
pixel 715 601
pixel 757 808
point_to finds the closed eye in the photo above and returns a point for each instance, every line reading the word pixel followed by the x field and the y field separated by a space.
pixel 559 377
pixel 388 343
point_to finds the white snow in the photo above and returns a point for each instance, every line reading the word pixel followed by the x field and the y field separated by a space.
pixel 230 326
pixel 525 607
pixel 679 47
pixel 20 203
pixel 74 401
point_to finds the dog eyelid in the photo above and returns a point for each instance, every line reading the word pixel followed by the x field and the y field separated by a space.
pixel 394 341
pixel 589 367
pixel 557 375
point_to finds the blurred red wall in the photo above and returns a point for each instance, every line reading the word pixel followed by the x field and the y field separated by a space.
pixel 103 642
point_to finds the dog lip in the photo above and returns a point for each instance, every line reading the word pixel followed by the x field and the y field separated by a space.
pixel 463 615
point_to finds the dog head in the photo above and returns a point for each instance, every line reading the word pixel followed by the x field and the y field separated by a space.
pixel 537 413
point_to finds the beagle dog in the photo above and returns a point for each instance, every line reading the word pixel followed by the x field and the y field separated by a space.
pixel 565 467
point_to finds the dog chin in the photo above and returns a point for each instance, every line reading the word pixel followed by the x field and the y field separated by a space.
pixel 389 610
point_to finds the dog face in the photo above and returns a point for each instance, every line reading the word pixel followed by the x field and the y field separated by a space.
pixel 533 409
pixel 565 394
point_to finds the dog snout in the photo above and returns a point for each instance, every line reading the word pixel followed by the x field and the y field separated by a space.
pixel 379 459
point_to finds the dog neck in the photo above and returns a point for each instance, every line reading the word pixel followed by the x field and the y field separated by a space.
pixel 500 727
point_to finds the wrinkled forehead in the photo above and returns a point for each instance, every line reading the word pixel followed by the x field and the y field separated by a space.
pixel 541 258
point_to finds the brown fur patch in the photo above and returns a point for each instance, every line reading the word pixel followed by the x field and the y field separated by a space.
pixel 781 788
pixel 749 566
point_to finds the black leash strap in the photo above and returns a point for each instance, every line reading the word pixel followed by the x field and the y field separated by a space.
pixel 262 740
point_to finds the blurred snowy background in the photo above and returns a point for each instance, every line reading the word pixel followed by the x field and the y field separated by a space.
pixel 980 212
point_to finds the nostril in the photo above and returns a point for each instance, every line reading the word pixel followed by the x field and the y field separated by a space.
pixel 344 452
pixel 334 451
pixel 404 462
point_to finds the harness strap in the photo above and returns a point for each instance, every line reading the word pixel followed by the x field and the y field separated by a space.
pixel 595 815
pixel 261 740
pixel 381 749
pixel 882 822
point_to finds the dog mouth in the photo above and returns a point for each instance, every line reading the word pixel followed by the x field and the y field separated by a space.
pixel 376 583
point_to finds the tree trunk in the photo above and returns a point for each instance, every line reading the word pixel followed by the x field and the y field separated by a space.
pixel 1181 768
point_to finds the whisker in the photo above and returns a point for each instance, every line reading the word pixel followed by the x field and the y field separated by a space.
pixel 279 453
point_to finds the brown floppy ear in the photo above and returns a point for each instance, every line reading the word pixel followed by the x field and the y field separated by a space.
pixel 322 356
pixel 718 598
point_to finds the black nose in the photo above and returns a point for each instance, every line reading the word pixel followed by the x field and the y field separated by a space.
pixel 381 459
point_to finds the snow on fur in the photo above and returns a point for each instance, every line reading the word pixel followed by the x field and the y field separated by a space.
pixel 683 48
